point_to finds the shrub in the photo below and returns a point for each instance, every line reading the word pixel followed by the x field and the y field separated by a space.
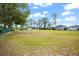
pixel 78 29
pixel 1 30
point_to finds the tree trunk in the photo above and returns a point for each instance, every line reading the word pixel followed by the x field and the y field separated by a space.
pixel 44 25
pixel 5 25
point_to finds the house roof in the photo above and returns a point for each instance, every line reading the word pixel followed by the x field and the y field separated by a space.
pixel 76 26
pixel 60 26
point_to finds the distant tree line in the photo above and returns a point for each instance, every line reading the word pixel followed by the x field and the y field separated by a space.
pixel 42 23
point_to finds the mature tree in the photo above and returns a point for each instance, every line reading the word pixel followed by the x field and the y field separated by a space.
pixel 49 25
pixel 11 13
pixel 45 21
pixel 54 18
pixel 30 23
pixel 40 23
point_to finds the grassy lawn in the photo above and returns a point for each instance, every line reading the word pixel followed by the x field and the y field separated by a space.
pixel 40 42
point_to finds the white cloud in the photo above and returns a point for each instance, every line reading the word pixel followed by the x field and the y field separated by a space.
pixel 45 12
pixel 30 15
pixel 71 6
pixel 58 20
pixel 38 14
pixel 71 18
pixel 66 13
pixel 68 24
pixel 35 7
pixel 35 15
pixel 42 4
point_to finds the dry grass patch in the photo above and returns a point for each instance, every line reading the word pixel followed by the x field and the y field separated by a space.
pixel 40 42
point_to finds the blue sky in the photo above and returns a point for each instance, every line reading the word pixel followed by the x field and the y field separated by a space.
pixel 67 13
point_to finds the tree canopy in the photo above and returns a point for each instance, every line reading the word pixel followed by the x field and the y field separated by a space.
pixel 54 15
pixel 11 13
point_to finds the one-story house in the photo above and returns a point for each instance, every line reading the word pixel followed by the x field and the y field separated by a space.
pixel 72 28
pixel 61 27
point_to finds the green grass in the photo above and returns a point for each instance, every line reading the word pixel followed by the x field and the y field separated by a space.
pixel 40 42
